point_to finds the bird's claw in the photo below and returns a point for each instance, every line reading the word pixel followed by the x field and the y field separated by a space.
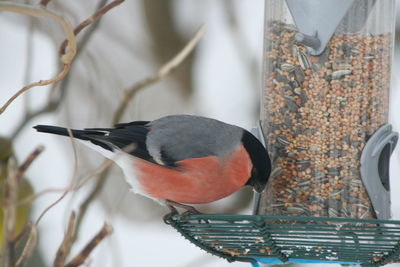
pixel 189 211
pixel 167 217
pixel 194 211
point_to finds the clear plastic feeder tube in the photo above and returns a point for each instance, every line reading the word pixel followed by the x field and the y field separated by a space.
pixel 319 108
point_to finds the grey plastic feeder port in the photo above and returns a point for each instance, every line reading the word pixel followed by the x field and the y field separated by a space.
pixel 375 169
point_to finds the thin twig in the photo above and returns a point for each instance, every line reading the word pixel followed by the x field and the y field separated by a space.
pixel 66 59
pixel 9 219
pixel 49 107
pixel 107 163
pixel 85 252
pixel 166 40
pixel 44 2
pixel 28 161
pixel 74 174
pixel 93 194
pixel 163 71
pixel 92 175
pixel 29 246
pixel 90 20
pixel 52 104
pixel 65 247
pixel 55 79
pixel 27 228
pixel 29 46
pixel 37 11
pixel 10 206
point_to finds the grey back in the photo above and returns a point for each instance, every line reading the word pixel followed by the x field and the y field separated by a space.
pixel 180 137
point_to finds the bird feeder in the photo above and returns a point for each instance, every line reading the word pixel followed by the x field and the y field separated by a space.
pixel 324 120
pixel 325 107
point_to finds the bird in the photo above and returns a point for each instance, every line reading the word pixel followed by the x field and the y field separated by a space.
pixel 180 160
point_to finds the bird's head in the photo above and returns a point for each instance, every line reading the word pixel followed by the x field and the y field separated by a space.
pixel 260 160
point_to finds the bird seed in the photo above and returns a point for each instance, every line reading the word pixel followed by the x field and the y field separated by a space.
pixel 319 112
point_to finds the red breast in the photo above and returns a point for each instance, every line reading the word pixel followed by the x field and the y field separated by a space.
pixel 195 180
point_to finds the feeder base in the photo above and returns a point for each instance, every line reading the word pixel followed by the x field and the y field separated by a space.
pixel 288 239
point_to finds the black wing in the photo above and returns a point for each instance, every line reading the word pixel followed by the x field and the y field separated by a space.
pixel 121 136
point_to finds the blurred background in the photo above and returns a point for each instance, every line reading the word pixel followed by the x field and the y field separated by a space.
pixel 220 79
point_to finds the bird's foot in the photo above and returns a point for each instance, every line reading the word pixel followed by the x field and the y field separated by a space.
pixel 189 209
pixel 167 217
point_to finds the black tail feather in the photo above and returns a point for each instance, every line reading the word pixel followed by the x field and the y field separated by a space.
pixel 79 134
pixel 108 138
pixel 88 135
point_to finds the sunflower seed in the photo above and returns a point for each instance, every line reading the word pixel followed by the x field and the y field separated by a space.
pixel 303 97
pixel 355 181
pixel 296 210
pixel 282 140
pixel 287 67
pixel 290 191
pixel 299 129
pixel 332 212
pixel 303 60
pixel 336 153
pixel 295 51
pixel 287 88
pixel 306 183
pixel 299 74
pixel 335 193
pixel 339 74
pixel 291 104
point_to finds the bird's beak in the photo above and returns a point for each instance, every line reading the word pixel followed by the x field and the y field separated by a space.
pixel 258 187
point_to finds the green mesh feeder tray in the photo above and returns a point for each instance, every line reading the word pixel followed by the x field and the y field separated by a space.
pixel 284 239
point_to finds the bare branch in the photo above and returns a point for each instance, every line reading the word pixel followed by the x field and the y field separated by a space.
pixel 52 104
pixel 107 163
pixel 72 180
pixel 44 2
pixel 10 207
pixel 27 228
pixel 67 242
pixel 85 252
pixel 90 197
pixel 90 20
pixel 30 47
pixel 9 219
pixel 28 161
pixel 162 72
pixel 55 79
pixel 29 246
pixel 66 59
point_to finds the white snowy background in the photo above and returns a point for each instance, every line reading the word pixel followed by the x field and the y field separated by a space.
pixel 224 88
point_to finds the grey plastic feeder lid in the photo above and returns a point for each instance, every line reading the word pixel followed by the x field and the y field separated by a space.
pixel 317 20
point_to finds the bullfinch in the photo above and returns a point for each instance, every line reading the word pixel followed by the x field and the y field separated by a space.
pixel 180 159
